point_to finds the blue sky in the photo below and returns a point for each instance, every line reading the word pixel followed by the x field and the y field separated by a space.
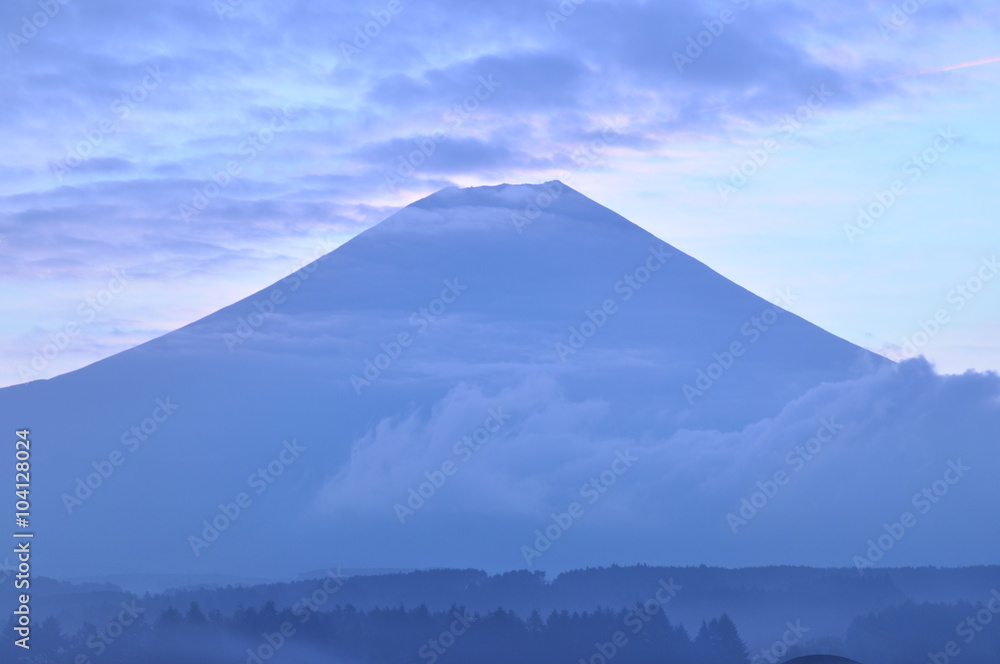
pixel 162 160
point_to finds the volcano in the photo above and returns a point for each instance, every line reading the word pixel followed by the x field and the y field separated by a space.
pixel 492 377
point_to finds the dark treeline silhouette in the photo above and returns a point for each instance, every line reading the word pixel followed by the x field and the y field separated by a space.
pixel 891 616
pixel 912 633
pixel 760 599
pixel 937 633
pixel 345 634
pixel 905 634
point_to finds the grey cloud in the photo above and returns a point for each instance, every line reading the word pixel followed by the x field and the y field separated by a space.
pixel 888 435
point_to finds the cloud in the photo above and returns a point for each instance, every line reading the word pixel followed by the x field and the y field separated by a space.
pixel 452 155
pixel 849 458
pixel 527 80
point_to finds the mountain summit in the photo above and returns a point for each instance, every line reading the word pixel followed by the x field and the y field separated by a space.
pixel 492 377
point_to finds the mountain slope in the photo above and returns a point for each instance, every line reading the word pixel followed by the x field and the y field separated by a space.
pixel 299 419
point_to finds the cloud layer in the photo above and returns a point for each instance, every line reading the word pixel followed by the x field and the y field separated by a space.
pixel 843 464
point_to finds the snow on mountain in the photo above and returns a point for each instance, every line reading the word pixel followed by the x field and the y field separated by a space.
pixel 504 377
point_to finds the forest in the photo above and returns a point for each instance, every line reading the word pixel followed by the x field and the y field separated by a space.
pixel 623 614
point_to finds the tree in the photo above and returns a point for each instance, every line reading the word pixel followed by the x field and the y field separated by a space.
pixel 195 617
pixel 719 642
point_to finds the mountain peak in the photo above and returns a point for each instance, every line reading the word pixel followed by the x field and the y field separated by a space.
pixel 529 302
pixel 498 195
pixel 509 206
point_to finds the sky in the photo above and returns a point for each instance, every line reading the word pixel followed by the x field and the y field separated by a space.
pixel 162 160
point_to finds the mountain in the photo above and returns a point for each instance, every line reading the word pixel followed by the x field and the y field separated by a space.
pixel 496 377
